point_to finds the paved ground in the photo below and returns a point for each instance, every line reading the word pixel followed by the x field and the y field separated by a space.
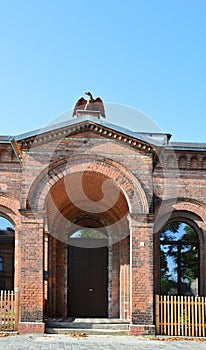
pixel 53 342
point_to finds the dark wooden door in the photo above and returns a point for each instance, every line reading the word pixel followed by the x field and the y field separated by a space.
pixel 87 288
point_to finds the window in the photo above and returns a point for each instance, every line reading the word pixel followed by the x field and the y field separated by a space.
pixel 7 247
pixel 91 233
pixel 88 238
pixel 179 260
pixel 1 264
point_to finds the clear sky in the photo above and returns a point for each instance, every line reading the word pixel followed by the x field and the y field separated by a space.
pixel 147 54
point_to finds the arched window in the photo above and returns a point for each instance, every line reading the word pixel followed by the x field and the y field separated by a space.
pixel 89 238
pixel 6 254
pixel 179 260
pixel 91 233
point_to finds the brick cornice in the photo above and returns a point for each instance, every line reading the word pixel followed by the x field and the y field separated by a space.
pixel 143 217
pixel 29 212
pixel 71 130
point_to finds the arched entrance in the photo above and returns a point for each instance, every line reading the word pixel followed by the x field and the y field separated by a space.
pixel 91 187
pixel 87 258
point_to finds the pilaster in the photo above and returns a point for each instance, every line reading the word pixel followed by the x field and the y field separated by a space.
pixel 31 287
pixel 141 275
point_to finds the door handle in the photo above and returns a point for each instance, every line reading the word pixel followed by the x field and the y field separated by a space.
pixel 90 290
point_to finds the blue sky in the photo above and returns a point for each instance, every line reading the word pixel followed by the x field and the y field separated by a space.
pixel 148 54
pixel 4 223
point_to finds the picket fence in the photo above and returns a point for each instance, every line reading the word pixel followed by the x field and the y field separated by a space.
pixel 8 310
pixel 180 315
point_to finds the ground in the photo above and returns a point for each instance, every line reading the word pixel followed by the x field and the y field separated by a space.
pixel 56 342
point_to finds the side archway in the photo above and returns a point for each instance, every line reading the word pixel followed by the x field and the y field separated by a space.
pixel 191 214
pixel 9 227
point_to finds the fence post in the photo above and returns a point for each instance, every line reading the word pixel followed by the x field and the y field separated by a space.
pixel 16 308
pixel 1 309
pixel 203 316
pixel 157 316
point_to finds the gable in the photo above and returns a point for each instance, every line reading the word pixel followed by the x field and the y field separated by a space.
pixel 88 128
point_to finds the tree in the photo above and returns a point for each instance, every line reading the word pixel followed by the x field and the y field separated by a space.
pixel 180 243
pixel 167 282
pixel 89 233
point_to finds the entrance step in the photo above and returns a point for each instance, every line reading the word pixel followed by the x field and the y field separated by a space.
pixel 88 326
pixel 86 331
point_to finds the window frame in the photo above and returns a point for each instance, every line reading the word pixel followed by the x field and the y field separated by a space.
pixel 179 243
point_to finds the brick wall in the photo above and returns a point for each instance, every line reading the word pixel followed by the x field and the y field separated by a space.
pixel 176 189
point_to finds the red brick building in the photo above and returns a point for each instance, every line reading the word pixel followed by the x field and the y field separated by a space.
pixel 125 187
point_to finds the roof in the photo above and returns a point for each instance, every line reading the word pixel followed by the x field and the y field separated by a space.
pixel 157 139
pixel 187 146
pixel 5 139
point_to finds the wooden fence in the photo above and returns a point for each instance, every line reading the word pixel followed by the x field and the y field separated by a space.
pixel 8 310
pixel 180 315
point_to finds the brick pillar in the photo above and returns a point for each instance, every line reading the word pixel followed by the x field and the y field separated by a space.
pixel 61 279
pixel 125 279
pixel 156 269
pixel 141 270
pixel 31 262
pixel 202 278
pixel 114 266
pixel 52 297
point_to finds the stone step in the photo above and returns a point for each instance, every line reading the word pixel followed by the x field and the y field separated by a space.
pixel 86 331
pixel 89 319
pixel 87 326
pixel 82 325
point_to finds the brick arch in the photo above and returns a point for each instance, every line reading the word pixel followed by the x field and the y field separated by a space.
pixel 64 214
pixel 191 212
pixel 9 208
pixel 171 161
pixel 129 185
pixel 204 163
pixel 182 162
pixel 193 162
pixel 182 205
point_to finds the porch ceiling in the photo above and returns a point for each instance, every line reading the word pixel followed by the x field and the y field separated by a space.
pixel 80 197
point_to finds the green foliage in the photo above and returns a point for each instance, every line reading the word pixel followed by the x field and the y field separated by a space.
pixel 90 233
pixel 187 245
pixel 167 284
pixel 172 226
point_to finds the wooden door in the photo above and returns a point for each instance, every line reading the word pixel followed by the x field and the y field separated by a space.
pixel 88 282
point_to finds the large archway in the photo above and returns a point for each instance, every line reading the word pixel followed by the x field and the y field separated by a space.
pixel 86 273
pixel 115 199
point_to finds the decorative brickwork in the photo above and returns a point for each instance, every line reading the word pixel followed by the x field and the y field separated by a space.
pixel 45 179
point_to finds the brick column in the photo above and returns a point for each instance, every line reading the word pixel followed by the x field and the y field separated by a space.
pixel 52 297
pixel 61 279
pixel 31 262
pixel 125 279
pixel 141 275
